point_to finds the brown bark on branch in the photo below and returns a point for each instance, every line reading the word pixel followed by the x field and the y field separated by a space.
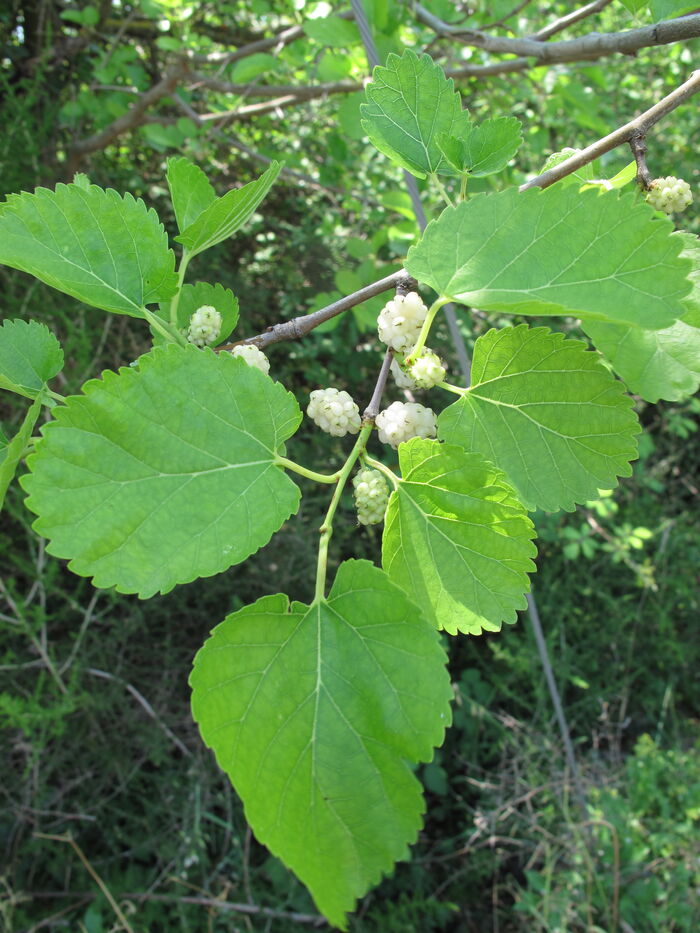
pixel 634 129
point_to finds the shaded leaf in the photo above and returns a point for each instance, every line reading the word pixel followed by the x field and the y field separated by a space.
pixel 409 103
pixel 190 190
pixel 11 452
pixel 144 483
pixel 333 31
pixel 484 148
pixel 318 714
pixel 547 412
pixel 106 250
pixel 227 214
pixel 653 363
pixel 558 251
pixel 30 355
pixel 202 293
pixel 457 539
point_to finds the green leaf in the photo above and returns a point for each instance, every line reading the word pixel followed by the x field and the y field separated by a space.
pixel 667 9
pixel 653 363
pixel 583 174
pixel 558 251
pixel 634 6
pixel 318 715
pixel 410 102
pixel 227 214
pixel 548 413
pixel 165 473
pixel 30 355
pixel 108 251
pixel 623 177
pixel 691 251
pixel 253 65
pixel 333 31
pixel 456 538
pixel 14 450
pixel 202 293
pixel 484 148
pixel 190 190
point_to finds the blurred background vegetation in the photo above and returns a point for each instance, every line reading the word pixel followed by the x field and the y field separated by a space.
pixel 98 742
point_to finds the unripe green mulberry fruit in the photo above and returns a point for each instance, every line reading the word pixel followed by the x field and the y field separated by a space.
pixel 669 194
pixel 334 412
pixel 371 496
pixel 253 356
pixel 205 326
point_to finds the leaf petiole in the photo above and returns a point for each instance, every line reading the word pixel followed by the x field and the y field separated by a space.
pixel 175 300
pixel 425 330
pixel 309 474
pixel 378 465
pixel 457 390
pixel 443 191
pixel 166 330
pixel 327 526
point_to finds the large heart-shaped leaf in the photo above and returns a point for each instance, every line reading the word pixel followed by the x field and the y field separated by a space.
pixel 409 103
pixel 30 355
pixel 227 214
pixel 457 539
pixel 318 715
pixel 165 473
pixel 558 251
pixel 106 250
pixel 547 412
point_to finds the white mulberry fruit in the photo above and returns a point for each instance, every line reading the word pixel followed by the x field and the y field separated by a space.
pixel 402 379
pixel 669 194
pixel 427 370
pixel 205 326
pixel 334 412
pixel 403 420
pixel 253 356
pixel 371 496
pixel 400 321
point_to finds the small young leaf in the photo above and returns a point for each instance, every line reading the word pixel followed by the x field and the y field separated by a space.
pixel 410 102
pixel 30 355
pixel 534 253
pixel 106 250
pixel 547 412
pixel 482 149
pixel 667 9
pixel 11 452
pixel 227 214
pixel 190 190
pixel 202 293
pixel 145 483
pixel 456 538
pixel 653 363
pixel 318 714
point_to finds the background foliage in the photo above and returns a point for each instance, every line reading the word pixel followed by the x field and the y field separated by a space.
pixel 98 739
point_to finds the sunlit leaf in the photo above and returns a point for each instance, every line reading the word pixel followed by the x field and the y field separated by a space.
pixel 546 411
pixel 165 473
pixel 30 355
pixel 318 714
pixel 190 190
pixel 457 539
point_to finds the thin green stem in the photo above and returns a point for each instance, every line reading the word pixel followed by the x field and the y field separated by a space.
pixel 450 388
pixel 165 329
pixel 175 301
pixel 327 526
pixel 378 465
pixel 463 187
pixel 54 395
pixel 425 330
pixel 309 474
pixel 443 191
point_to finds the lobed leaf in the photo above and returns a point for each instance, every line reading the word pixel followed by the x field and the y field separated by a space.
pixel 227 214
pixel 30 355
pixel 409 103
pixel 165 473
pixel 534 253
pixel 457 539
pixel 484 148
pixel 547 412
pixel 106 250
pixel 318 714
pixel 190 190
